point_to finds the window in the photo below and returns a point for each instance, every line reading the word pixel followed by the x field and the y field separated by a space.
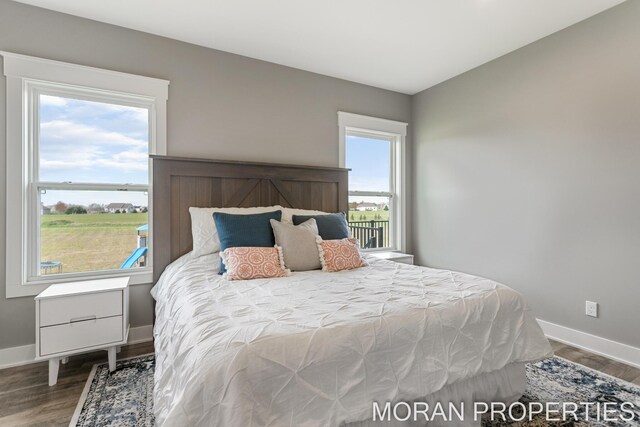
pixel 78 172
pixel 91 182
pixel 374 151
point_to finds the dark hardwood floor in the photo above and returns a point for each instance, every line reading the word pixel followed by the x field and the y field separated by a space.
pixel 599 363
pixel 27 400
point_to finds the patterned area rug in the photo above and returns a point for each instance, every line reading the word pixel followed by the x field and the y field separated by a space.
pixel 125 397
pixel 559 380
pixel 121 398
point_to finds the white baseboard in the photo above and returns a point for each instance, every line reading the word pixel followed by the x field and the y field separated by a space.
pixel 25 354
pixel 16 356
pixel 604 347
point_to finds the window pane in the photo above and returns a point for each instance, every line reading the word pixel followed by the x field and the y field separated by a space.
pixel 92 230
pixel 87 141
pixel 369 221
pixel 370 161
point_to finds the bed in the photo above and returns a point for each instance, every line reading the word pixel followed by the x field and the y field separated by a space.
pixel 316 348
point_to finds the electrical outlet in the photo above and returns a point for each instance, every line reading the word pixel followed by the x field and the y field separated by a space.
pixel 592 309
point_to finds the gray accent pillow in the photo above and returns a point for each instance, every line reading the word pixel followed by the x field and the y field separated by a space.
pixel 298 242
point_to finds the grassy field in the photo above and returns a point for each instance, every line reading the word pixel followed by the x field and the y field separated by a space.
pixel 103 241
pixel 368 215
pixel 90 241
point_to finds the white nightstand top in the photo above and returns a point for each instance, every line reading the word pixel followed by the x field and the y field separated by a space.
pixel 390 255
pixel 84 287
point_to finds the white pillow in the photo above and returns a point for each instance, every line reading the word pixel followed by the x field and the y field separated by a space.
pixel 288 213
pixel 204 231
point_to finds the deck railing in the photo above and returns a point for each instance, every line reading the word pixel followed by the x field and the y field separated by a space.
pixel 371 233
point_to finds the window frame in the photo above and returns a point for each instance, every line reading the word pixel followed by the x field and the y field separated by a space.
pixel 27 78
pixel 395 132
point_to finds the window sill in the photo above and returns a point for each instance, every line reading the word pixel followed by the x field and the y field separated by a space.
pixel 375 250
pixel 33 288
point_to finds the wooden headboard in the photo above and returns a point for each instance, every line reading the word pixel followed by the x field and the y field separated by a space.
pixel 179 183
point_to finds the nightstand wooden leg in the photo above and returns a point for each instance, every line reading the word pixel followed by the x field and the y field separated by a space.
pixel 64 360
pixel 53 370
pixel 111 353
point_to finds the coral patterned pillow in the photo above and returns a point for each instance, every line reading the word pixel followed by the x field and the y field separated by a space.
pixel 338 255
pixel 246 263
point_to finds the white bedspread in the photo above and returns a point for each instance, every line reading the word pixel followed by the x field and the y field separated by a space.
pixel 316 349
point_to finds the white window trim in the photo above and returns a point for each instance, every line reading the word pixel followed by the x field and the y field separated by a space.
pixel 22 71
pixel 397 132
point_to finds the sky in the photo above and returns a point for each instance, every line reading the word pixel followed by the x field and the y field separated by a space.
pixel 370 162
pixel 86 141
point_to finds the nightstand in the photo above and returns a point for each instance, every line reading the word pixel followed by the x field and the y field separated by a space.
pixel 78 317
pixel 394 256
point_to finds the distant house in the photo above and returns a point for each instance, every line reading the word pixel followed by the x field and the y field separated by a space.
pixel 365 206
pixel 45 210
pixel 120 207
pixel 95 208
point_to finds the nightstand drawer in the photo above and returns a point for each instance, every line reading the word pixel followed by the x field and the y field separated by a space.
pixel 78 335
pixel 58 311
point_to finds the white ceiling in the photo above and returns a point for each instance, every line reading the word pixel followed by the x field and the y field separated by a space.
pixel 402 45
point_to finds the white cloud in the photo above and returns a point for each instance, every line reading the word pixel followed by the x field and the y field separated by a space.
pixel 66 145
pixel 55 101
pixel 135 113
pixel 369 183
pixel 127 156
pixel 83 134
pixel 111 163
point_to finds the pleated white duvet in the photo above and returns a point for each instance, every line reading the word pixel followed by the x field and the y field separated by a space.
pixel 316 348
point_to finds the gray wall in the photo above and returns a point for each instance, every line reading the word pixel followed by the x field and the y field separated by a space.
pixel 220 106
pixel 527 170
